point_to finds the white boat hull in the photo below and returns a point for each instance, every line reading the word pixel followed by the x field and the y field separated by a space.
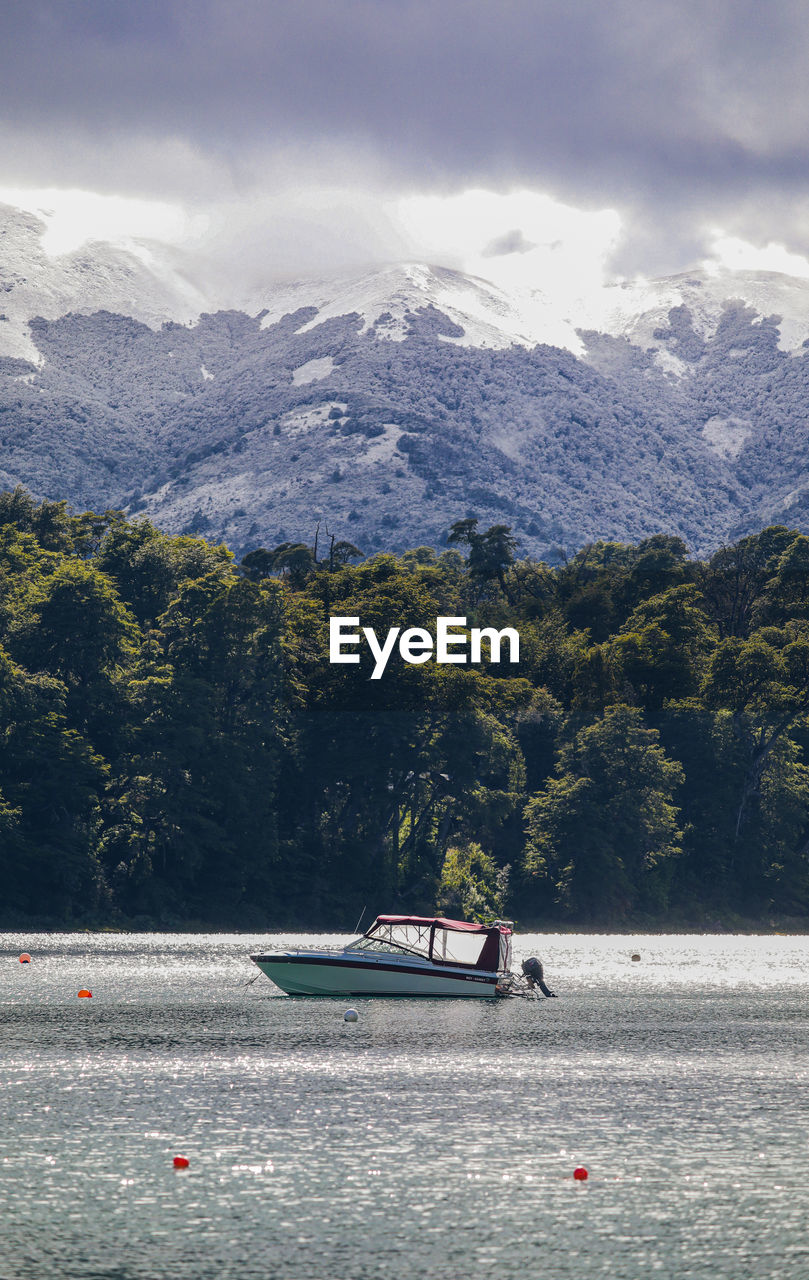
pixel 310 974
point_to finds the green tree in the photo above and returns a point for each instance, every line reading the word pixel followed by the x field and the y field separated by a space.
pixel 490 553
pixel 661 649
pixel 785 597
pixel 735 578
pixel 602 835
pixel 194 810
pixel 148 566
pixel 764 683
pixel 472 886
pixel 51 781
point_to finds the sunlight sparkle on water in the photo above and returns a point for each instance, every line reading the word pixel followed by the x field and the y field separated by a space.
pixel 428 1128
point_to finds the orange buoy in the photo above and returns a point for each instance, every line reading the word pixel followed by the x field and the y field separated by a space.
pixel 181 1162
pixel 25 958
pixel 85 993
pixel 580 1174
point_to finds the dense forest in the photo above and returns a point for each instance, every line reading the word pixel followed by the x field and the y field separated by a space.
pixel 177 749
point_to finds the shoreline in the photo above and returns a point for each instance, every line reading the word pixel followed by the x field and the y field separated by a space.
pixel 792 926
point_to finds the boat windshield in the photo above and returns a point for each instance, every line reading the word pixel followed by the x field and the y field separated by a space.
pixel 472 946
pixel 382 944
pixel 410 939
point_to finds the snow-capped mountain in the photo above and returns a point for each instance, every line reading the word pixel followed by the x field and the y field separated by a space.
pixel 479 313
pixel 638 309
pixel 489 317
pixel 391 403
pixel 142 282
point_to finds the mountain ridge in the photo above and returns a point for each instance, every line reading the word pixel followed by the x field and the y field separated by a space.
pixel 393 402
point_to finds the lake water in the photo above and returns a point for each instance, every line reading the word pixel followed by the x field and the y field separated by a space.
pixel 430 1139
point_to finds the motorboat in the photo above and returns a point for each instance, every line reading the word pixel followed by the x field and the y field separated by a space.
pixel 402 956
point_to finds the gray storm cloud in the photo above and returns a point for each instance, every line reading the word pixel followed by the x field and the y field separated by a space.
pixel 678 113
pixel 512 242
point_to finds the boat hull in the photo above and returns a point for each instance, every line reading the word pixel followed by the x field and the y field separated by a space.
pixel 308 974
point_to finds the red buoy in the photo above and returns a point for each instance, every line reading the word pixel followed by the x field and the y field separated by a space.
pixel 25 958
pixel 181 1162
pixel 580 1174
pixel 85 994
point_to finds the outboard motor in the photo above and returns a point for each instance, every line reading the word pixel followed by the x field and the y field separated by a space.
pixel 534 975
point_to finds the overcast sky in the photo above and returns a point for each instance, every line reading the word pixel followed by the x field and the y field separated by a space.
pixel 320 133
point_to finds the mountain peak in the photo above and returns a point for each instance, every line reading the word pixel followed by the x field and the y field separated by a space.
pixel 637 309
pixel 387 299
pixel 144 281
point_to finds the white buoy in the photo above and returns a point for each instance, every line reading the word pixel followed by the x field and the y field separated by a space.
pixel 351 1015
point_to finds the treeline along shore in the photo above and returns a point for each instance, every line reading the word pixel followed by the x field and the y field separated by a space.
pixel 177 748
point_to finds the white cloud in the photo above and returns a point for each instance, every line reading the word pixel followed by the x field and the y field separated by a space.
pixel 237 246
pixel 737 254
pixel 558 249
pixel 75 217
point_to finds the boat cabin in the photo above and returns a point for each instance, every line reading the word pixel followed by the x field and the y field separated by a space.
pixel 455 942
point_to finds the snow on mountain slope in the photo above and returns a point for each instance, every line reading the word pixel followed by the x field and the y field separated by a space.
pixel 151 282
pixel 143 282
pixel 388 298
pixel 637 309
pixel 390 402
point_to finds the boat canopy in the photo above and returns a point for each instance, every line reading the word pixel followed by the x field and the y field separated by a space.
pixel 442 941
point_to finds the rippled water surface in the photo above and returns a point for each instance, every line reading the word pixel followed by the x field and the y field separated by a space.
pixel 430 1139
